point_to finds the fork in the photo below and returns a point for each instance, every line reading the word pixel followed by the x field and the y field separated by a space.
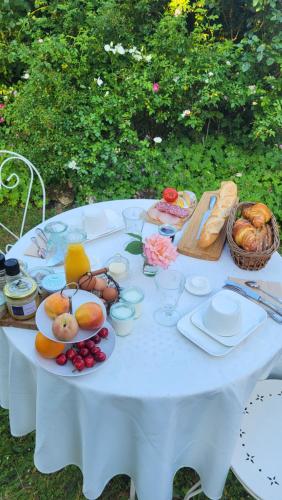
pixel 275 316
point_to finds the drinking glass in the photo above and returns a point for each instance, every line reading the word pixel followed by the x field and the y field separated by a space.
pixel 133 219
pixel 170 284
pixel 56 234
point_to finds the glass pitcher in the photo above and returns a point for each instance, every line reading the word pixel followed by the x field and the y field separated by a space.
pixel 56 234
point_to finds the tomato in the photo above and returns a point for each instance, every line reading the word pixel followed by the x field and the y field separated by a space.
pixel 170 195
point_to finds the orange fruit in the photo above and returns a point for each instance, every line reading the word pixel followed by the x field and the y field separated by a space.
pixel 48 348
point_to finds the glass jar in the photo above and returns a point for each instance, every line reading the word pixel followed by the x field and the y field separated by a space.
pixel 3 307
pixel 22 298
pixel 122 316
pixel 118 267
pixel 168 231
pixel 56 234
pixel 133 296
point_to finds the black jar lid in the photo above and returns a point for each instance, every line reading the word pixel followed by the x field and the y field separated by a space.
pixel 12 267
pixel 2 261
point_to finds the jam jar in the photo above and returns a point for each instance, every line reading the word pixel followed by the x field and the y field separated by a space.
pixel 22 298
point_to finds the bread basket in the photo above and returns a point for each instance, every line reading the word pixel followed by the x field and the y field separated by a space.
pixel 251 261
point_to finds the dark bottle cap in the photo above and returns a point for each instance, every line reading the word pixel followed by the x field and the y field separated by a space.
pixel 2 261
pixel 12 267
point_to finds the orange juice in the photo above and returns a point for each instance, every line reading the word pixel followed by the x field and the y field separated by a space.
pixel 76 262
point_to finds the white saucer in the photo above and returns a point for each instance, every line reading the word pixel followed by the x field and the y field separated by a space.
pixel 197 291
pixel 253 316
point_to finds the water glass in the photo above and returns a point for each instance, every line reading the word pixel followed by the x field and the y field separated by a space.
pixel 133 219
pixel 56 234
pixel 170 285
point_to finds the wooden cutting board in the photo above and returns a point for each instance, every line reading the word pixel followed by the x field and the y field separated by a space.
pixel 29 324
pixel 188 245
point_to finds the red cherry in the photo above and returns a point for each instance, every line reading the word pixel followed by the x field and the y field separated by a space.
pixel 76 358
pixel 61 359
pixel 71 353
pixel 95 349
pixel 96 339
pixel 103 333
pixel 89 361
pixel 89 344
pixel 100 356
pixel 79 364
pixel 84 351
pixel 80 344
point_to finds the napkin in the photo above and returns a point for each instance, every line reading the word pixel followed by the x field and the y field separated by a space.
pixel 273 287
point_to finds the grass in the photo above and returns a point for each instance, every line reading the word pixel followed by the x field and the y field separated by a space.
pixel 19 479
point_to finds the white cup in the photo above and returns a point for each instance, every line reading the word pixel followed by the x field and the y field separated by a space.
pixel 223 316
pixel 95 221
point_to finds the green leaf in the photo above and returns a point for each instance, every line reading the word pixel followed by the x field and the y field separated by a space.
pixel 245 67
pixel 137 236
pixel 269 61
pixel 134 247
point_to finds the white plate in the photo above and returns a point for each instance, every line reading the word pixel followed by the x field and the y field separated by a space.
pixel 115 223
pixel 106 345
pixel 253 316
pixel 44 323
pixel 190 289
pixel 206 343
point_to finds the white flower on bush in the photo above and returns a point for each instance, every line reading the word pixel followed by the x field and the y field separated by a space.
pixel 148 58
pixel 120 49
pixel 252 88
pixel 175 79
pixel 107 48
pixel 25 76
pixel 210 73
pixel 72 165
pixel 177 12
pixel 157 140
pixel 99 81
pixel 137 56
pixel 186 112
pixel 239 174
pixel 228 63
pixel 206 80
pixel 40 40
pixel 254 103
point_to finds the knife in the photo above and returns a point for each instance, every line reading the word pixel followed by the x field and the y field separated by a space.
pixel 206 216
pixel 254 295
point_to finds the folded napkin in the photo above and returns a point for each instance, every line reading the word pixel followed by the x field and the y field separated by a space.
pixel 31 250
pixel 273 287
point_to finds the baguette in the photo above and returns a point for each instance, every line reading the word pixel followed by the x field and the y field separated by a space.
pixel 225 200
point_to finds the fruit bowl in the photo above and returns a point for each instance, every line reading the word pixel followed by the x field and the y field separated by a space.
pixel 44 323
pixel 67 370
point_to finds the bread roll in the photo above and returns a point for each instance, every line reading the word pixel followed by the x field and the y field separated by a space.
pixel 250 238
pixel 225 200
pixel 257 214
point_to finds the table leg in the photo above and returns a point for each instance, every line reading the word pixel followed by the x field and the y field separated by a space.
pixel 195 490
pixel 132 491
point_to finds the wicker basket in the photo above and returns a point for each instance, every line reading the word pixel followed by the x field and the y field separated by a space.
pixel 251 261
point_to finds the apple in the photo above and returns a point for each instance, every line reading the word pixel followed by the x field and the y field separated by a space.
pixel 65 327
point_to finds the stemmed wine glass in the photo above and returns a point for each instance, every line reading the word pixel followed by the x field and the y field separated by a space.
pixel 170 284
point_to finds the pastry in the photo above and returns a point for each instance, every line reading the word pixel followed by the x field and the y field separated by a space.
pixel 258 214
pixel 250 238
pixel 225 200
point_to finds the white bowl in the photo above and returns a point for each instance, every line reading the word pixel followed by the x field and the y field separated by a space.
pixel 198 285
pixel 223 315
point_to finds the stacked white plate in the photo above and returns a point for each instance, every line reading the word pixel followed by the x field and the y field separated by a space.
pixel 194 328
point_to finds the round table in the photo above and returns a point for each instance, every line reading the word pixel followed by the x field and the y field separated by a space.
pixel 158 404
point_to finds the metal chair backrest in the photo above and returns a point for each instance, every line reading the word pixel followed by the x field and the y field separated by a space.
pixel 12 181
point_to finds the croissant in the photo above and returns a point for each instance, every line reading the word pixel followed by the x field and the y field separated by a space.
pixel 244 234
pixel 257 214
pixel 250 238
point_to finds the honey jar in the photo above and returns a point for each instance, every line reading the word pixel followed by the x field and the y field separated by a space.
pixel 22 298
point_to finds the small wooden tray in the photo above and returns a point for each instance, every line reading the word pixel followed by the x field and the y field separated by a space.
pixel 188 245
pixel 182 221
pixel 28 324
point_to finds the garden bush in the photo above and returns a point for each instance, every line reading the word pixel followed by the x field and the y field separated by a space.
pixel 120 98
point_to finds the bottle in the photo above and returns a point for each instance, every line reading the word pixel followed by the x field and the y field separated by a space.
pixel 13 271
pixel 76 262
pixel 2 271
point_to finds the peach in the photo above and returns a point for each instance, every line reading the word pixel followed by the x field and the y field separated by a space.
pixel 56 304
pixel 65 327
pixel 89 316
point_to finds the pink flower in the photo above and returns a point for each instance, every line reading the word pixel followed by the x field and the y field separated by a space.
pixel 156 87
pixel 2 106
pixel 159 251
pixel 2 119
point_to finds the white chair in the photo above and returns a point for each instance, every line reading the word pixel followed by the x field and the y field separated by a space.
pixel 12 181
pixel 257 460
pixel 193 491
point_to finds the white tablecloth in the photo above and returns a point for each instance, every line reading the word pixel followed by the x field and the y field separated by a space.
pixel 158 404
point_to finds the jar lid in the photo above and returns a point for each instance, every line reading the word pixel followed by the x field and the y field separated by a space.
pixel 54 282
pixel 2 299
pixel 2 261
pixel 12 267
pixel 38 273
pixel 56 227
pixel 132 295
pixel 20 288
pixel 167 230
